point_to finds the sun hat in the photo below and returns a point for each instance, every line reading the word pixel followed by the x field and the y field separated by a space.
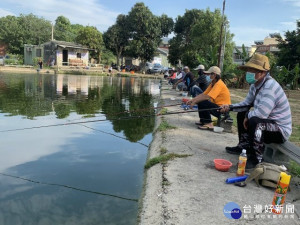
pixel 257 61
pixel 213 69
pixel 200 67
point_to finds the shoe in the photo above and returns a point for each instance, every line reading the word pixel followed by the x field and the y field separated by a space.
pixel 251 163
pixel 234 150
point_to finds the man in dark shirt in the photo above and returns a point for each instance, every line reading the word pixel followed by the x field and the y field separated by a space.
pixel 199 85
pixel 188 79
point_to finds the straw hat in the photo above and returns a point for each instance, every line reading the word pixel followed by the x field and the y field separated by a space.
pixel 258 61
pixel 214 69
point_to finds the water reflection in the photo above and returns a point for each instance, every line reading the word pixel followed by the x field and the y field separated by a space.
pixel 73 155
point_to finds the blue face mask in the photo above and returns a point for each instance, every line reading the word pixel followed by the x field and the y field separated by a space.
pixel 208 78
pixel 250 78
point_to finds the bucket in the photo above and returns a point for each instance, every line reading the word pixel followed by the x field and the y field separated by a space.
pixel 132 72
pixel 123 70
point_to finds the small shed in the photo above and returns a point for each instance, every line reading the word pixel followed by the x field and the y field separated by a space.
pixel 31 52
pixel 62 53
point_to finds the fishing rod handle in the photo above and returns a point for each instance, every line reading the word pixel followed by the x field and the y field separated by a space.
pixel 231 107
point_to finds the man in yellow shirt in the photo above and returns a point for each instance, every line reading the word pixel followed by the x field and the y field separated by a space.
pixel 212 98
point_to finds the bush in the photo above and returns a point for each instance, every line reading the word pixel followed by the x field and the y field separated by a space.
pixel 12 59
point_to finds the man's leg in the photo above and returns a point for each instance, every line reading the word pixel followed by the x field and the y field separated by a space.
pixel 205 115
pixel 195 90
pixel 243 136
pixel 260 131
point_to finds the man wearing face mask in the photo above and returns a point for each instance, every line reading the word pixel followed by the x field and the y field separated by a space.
pixel 199 85
pixel 212 98
pixel 270 120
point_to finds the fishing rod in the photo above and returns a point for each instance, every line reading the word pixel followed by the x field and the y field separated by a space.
pixel 115 119
pixel 132 111
pixel 70 187
pixel 123 118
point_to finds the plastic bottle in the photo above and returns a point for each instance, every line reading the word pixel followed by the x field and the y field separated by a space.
pixel 280 193
pixel 242 163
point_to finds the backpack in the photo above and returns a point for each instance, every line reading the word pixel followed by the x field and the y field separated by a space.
pixel 266 174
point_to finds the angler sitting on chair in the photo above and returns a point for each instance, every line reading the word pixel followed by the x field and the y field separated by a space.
pixel 212 98
pixel 270 121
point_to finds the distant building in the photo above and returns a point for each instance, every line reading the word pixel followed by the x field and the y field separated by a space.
pixel 269 44
pixel 66 53
pixel 31 52
pixel 58 53
pixel 161 57
pixel 164 43
pixel 237 58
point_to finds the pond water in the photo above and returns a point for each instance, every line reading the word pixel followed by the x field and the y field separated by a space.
pixel 65 157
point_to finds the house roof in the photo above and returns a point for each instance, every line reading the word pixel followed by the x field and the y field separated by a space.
pixel 163 51
pixel 65 44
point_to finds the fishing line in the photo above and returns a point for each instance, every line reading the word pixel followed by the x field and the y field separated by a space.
pixel 112 134
pixel 70 187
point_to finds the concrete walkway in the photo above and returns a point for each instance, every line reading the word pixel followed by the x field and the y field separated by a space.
pixel 190 190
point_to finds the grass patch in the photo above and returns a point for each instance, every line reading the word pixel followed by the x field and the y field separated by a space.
pixel 163 159
pixel 163 111
pixel 294 168
pixel 295 136
pixel 163 150
pixel 88 116
pixel 233 116
pixel 165 126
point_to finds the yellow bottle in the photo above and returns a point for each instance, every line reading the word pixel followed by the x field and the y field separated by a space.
pixel 242 163
pixel 280 193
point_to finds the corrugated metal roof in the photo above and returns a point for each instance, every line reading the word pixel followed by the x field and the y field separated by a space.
pixel 65 44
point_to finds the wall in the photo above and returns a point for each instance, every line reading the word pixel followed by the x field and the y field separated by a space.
pixel 30 52
pixel 72 54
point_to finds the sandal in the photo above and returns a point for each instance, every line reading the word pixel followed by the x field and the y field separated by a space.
pixel 205 127
pixel 199 124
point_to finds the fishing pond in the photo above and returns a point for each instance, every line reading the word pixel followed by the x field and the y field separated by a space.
pixel 73 148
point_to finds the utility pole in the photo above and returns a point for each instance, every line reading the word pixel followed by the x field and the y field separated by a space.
pixel 221 35
pixel 223 46
pixel 52 32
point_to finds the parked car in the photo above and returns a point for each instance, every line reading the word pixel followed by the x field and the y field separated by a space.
pixel 166 69
pixel 148 67
pixel 1 60
pixel 157 68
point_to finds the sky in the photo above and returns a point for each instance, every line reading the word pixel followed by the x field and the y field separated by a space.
pixel 249 20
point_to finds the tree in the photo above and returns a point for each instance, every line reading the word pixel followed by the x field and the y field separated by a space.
pixel 107 57
pixel 289 54
pixel 146 31
pixel 92 38
pixel 197 34
pixel 11 34
pixel 62 29
pixel 25 29
pixel 116 38
pixel 167 25
pixel 75 28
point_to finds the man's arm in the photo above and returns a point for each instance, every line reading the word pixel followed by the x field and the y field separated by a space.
pixel 197 99
pixel 180 80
